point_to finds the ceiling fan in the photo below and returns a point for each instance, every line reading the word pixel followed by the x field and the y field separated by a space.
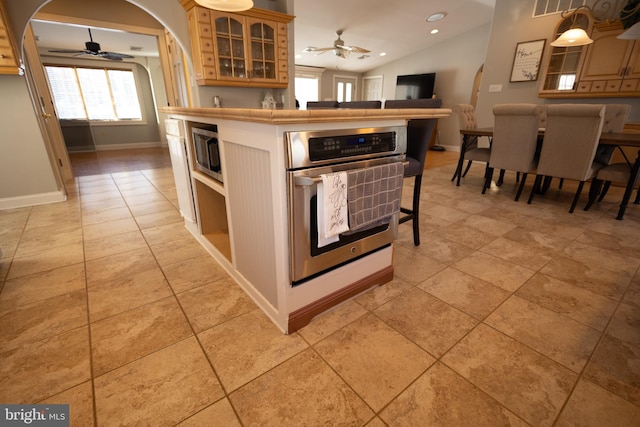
pixel 339 49
pixel 93 48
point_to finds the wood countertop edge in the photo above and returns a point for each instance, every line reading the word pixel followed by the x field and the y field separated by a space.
pixel 308 116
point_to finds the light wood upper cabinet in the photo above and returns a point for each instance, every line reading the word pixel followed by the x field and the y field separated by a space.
pixel 239 49
pixel 9 63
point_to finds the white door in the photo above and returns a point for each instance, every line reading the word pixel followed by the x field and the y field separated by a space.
pixel 372 88
pixel 344 88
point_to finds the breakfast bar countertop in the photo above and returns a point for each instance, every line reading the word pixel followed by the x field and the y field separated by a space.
pixel 282 117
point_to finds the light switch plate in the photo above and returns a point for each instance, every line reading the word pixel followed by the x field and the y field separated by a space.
pixel 495 88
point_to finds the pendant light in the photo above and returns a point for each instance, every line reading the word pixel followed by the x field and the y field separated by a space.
pixel 572 37
pixel 226 5
pixel 632 33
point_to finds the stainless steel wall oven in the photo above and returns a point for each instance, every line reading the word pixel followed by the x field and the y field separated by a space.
pixel 311 154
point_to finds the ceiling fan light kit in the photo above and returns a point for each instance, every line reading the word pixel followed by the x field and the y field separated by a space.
pixel 226 5
pixel 339 49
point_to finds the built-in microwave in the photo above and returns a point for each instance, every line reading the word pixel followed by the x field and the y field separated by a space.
pixel 207 148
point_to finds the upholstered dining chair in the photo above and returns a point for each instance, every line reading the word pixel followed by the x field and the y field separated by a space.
pixel 515 137
pixel 466 117
pixel 317 105
pixel 360 104
pixel 419 134
pixel 569 145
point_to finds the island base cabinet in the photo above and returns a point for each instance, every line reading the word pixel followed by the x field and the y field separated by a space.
pixel 212 215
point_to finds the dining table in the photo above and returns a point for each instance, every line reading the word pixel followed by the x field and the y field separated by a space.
pixel 606 139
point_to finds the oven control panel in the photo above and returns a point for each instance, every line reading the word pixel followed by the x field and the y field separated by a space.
pixel 340 146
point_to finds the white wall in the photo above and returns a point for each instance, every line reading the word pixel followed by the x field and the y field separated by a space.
pixel 455 62
pixel 24 164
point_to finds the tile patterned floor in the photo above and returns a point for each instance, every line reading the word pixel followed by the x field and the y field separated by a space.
pixel 507 314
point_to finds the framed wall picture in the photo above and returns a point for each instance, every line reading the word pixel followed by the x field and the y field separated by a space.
pixel 526 62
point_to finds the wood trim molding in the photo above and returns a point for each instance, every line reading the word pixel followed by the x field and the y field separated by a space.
pixel 303 316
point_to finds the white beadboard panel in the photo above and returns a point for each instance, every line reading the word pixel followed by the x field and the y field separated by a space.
pixel 251 210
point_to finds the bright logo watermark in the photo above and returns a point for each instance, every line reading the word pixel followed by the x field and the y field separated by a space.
pixel 34 415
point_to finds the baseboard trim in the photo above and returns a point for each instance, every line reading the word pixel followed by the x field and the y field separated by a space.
pixel 303 316
pixel 32 200
pixel 131 146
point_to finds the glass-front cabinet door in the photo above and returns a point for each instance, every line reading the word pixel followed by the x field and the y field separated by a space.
pixel 263 49
pixel 230 43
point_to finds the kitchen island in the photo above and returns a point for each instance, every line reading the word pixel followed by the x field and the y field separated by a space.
pixel 243 220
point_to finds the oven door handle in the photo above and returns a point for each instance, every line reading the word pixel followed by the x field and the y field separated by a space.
pixel 307 181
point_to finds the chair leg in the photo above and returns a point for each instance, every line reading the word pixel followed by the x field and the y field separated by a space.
pixel 500 178
pixel 536 184
pixel 637 200
pixel 488 176
pixel 517 176
pixel 576 197
pixel 521 186
pixel 561 182
pixel 605 188
pixel 467 168
pixel 416 209
pixel 594 190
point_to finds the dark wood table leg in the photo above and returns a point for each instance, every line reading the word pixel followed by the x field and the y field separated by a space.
pixel 633 179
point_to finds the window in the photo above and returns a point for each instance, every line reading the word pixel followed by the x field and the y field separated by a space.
pixel 547 7
pixel 94 93
pixel 307 84
pixel 344 88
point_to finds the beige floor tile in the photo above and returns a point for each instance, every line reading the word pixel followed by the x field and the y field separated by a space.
pixel 106 215
pixel 138 332
pixel 246 347
pixel 112 245
pixel 193 272
pixel 220 413
pixel 441 397
pixel 592 406
pixel 443 250
pixel 411 267
pixel 166 233
pixel 38 370
pixel 46 259
pixel 626 244
pixel 330 321
pixel 120 265
pixel 525 382
pixel 488 225
pixel 302 391
pixel 80 401
pixel 41 286
pixel 432 324
pixel 153 207
pixel 579 304
pixel 445 212
pixel 564 340
pixel 157 219
pixel 162 388
pixel 379 295
pixel 178 250
pixel 122 294
pixel 468 236
pixel 604 258
pixel 520 254
pixel 375 360
pixel 625 324
pixel 55 214
pixel 110 228
pixel 42 319
pixel 215 303
pixel 141 199
pixel 472 296
pixel 632 296
pixel 90 207
pixel 605 282
pixel 494 270
pixel 51 236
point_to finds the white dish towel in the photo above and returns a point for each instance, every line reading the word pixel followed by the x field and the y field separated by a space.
pixel 333 217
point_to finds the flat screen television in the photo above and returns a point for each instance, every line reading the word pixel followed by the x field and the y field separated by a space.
pixel 415 86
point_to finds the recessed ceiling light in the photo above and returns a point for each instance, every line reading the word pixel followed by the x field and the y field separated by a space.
pixel 435 31
pixel 383 53
pixel 436 16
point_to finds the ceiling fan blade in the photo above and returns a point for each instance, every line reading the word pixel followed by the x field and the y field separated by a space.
pixel 356 49
pixel 114 56
pixel 66 51
pixel 322 49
